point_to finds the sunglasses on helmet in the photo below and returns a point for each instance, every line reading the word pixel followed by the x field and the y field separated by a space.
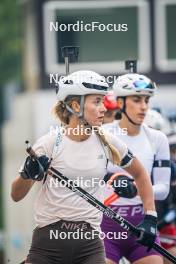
pixel 144 85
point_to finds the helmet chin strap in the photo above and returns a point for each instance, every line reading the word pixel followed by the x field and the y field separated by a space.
pixel 124 111
pixel 80 114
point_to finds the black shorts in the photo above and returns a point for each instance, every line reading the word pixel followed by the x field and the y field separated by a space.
pixel 65 242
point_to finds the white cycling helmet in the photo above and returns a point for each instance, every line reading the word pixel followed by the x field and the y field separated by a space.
pixel 133 84
pixel 155 120
pixel 81 83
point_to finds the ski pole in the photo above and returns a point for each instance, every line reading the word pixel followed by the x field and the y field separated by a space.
pixel 104 209
pixel 107 211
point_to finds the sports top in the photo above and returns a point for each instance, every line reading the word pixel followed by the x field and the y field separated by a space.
pixel 85 162
pixel 148 145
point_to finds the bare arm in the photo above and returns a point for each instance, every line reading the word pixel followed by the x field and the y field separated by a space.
pixel 143 183
pixel 20 188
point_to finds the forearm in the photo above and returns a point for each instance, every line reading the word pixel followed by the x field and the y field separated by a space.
pixel 20 188
pixel 161 182
pixel 161 172
pixel 143 184
pixel 161 191
pixel 145 191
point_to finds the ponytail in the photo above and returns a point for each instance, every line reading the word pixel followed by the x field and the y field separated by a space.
pixel 114 153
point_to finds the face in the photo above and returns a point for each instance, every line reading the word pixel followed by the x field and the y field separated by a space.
pixel 94 109
pixel 136 107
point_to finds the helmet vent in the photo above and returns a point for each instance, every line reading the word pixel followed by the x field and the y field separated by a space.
pixel 57 88
pixel 125 86
pixel 68 82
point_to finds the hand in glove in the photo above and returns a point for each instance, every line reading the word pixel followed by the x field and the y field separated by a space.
pixel 148 229
pixel 122 184
pixel 124 187
pixel 35 168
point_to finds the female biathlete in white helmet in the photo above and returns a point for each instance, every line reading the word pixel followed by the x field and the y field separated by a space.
pixel 150 146
pixel 79 156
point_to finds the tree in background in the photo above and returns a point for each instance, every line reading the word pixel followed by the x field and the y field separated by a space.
pixel 10 62
pixel 10 40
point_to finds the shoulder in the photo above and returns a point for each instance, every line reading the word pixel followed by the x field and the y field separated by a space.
pixel 156 135
pixel 125 154
pixel 117 143
pixel 46 139
pixel 111 137
pixel 44 145
pixel 115 129
pixel 109 127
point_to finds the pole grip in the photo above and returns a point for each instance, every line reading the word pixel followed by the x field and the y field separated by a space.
pixel 110 199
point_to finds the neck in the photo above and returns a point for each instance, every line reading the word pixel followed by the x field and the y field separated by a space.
pixel 132 129
pixel 77 131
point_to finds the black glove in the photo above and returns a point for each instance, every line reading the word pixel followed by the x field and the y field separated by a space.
pixel 35 168
pixel 124 187
pixel 148 229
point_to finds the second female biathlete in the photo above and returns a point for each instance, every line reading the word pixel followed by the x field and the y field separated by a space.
pixel 150 146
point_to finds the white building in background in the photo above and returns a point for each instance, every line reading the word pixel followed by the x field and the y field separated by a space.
pixel 29 116
pixel 30 119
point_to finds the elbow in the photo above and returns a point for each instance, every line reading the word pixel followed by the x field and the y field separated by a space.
pixel 14 194
pixel 165 194
pixel 14 197
pixel 162 193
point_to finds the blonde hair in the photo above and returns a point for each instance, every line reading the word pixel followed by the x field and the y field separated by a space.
pixel 61 113
pixel 113 152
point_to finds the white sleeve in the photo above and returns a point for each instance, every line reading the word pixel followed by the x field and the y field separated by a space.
pixel 161 175
pixel 44 145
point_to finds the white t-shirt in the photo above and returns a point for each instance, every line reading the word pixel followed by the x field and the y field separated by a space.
pixel 85 161
pixel 145 145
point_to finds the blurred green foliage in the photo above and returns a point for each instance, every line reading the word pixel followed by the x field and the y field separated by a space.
pixel 10 40
pixel 10 60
